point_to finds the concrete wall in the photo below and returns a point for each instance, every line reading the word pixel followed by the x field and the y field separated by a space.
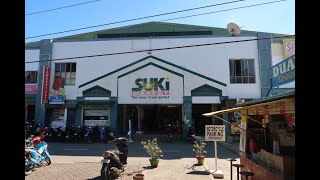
pixel 32 55
pixel 211 61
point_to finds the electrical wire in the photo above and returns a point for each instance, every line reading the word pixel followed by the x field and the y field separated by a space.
pixel 128 20
pixel 61 7
pixel 159 49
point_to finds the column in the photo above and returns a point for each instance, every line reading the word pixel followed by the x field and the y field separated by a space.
pixel 187 119
pixel 225 116
pixel 79 113
pixel 114 124
pixel 45 55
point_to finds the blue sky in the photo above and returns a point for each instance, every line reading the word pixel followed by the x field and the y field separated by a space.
pixel 274 18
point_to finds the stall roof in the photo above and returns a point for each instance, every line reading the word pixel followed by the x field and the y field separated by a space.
pixel 257 102
pixel 268 99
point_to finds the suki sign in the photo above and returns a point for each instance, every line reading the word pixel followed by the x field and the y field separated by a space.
pixel 151 88
pixel 284 72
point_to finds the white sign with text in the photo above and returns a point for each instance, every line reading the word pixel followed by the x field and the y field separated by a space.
pixel 215 133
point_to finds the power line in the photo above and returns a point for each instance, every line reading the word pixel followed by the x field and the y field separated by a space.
pixel 145 17
pixel 224 10
pixel 61 7
pixel 160 49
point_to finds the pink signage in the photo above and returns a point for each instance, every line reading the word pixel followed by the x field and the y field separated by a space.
pixel 30 89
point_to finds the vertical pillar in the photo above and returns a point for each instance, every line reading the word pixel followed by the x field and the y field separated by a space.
pixel 78 121
pixel 114 123
pixel 225 116
pixel 265 62
pixel 187 119
pixel 45 55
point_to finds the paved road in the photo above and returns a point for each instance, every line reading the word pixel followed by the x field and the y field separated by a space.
pixel 81 161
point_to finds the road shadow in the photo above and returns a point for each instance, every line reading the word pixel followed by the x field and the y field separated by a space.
pixel 176 150
pixel 199 172
pixel 96 178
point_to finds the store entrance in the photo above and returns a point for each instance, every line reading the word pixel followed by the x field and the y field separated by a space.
pixel 153 119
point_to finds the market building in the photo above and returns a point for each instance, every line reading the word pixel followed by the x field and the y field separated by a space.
pixel 91 80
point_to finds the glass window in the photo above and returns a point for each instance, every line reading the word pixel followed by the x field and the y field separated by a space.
pixel 242 71
pixel 67 71
pixel 30 76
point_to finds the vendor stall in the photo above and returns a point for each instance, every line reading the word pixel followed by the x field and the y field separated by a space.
pixel 267 136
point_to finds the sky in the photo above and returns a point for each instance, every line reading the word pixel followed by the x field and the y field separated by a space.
pixel 273 18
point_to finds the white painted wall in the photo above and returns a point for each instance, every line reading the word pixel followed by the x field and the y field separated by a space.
pixel 32 55
pixel 211 61
pixel 277 57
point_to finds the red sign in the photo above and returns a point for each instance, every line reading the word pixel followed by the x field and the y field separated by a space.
pixel 30 89
pixel 45 86
pixel 282 108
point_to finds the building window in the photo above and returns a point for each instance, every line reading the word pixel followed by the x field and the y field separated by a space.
pixel 30 76
pixel 242 71
pixel 67 71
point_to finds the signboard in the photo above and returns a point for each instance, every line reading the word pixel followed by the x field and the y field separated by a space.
pixel 45 85
pixel 215 133
pixel 150 85
pixel 56 100
pixel 281 107
pixel 30 88
pixel 283 72
pixel 243 137
pixel 289 47
pixel 97 123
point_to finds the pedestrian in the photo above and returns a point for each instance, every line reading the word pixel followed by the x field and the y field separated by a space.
pixel 129 127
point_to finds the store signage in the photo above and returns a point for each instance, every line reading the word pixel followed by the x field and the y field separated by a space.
pixel 30 88
pixel 243 137
pixel 152 88
pixel 45 85
pixel 289 47
pixel 283 72
pixel 215 133
pixel 56 100
pixel 280 107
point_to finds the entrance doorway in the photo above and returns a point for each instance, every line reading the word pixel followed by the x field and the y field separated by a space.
pixel 153 118
pixel 199 120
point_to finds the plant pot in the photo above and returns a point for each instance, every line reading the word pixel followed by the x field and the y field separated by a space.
pixel 138 177
pixel 154 162
pixel 200 159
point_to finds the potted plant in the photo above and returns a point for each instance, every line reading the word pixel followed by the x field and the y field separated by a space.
pixel 153 150
pixel 198 149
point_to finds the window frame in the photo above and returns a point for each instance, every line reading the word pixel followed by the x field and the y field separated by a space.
pixel 246 71
pixel 67 80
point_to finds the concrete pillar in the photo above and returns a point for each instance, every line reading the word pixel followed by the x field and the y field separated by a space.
pixel 45 55
pixel 114 123
pixel 225 116
pixel 187 107
pixel 265 62
pixel 79 113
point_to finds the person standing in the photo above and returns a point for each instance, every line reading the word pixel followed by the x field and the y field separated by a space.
pixel 129 127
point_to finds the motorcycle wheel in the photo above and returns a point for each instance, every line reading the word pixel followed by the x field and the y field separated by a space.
pixel 105 173
pixel 48 161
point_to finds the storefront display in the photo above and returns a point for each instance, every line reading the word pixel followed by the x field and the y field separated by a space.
pixel 58 117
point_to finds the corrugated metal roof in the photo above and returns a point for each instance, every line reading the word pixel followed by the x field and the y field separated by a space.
pixel 147 27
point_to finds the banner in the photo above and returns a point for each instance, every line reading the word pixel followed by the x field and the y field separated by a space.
pixel 30 89
pixel 283 72
pixel 45 85
pixel 243 137
pixel 289 47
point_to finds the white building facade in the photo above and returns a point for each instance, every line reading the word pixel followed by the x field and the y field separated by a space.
pixel 102 81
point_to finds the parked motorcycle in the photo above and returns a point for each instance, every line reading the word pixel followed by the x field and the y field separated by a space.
pixel 111 166
pixel 29 166
pixel 38 150
pixel 122 148
pixel 191 135
pixel 108 135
